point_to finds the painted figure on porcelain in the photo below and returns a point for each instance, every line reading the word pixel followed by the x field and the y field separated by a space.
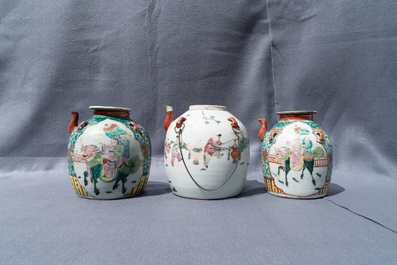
pixel 297 156
pixel 108 150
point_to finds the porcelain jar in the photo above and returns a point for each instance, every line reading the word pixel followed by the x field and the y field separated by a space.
pixel 109 154
pixel 206 153
pixel 296 156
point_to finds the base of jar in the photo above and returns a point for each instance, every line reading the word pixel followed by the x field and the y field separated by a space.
pixel 297 197
pixel 107 199
pixel 206 199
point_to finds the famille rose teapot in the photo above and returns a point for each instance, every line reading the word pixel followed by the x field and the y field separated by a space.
pixel 206 153
pixel 109 155
pixel 296 156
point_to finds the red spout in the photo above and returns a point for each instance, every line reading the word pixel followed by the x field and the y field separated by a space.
pixel 74 121
pixel 170 116
pixel 263 129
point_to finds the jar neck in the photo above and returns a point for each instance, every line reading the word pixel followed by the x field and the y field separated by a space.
pixel 114 114
pixel 296 117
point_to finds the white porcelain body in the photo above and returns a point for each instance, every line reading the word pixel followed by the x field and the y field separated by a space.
pixel 209 145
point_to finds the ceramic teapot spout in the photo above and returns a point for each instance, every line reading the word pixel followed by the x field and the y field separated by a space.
pixel 170 116
pixel 263 129
pixel 73 123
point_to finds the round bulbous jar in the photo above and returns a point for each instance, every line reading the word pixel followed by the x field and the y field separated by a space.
pixel 109 155
pixel 206 153
pixel 296 156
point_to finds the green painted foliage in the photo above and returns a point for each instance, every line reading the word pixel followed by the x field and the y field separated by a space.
pixel 97 160
pixel 317 153
pixel 132 167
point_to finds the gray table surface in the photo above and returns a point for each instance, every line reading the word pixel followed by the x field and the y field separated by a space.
pixel 44 222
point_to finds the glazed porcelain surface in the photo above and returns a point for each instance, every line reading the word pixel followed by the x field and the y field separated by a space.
pixel 206 157
pixel 109 155
pixel 296 157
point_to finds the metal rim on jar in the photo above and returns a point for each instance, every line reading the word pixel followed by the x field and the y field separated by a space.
pixel 299 112
pixel 109 108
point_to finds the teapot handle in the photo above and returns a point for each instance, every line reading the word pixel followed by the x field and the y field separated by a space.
pixel 82 125
pixel 234 122
pixel 320 135
pixel 180 122
pixel 272 135
pixel 134 126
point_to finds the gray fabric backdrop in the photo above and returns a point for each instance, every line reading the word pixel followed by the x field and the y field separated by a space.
pixel 254 57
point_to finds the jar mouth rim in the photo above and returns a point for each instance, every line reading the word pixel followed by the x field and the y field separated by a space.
pixel 109 108
pixel 209 107
pixel 299 112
